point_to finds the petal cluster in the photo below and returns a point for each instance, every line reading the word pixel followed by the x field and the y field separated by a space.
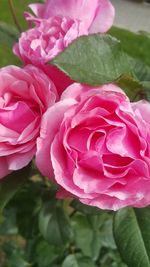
pixel 43 42
pixel 97 15
pixel 98 147
pixel 25 94
pixel 57 24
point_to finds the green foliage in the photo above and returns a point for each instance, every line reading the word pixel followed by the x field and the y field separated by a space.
pixel 46 255
pixel 131 86
pixel 10 184
pixel 110 61
pixel 15 255
pixel 9 224
pixel 8 30
pixel 19 7
pixel 134 44
pixel 78 261
pixel 132 235
pixel 39 231
pixel 95 59
pixel 54 224
pixel 84 208
pixel 8 34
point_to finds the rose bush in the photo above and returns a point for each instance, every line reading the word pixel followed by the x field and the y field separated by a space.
pixel 25 94
pixel 98 146
pixel 92 143
pixel 58 23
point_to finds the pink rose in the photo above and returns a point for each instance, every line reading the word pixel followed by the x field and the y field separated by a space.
pixel 98 144
pixel 96 15
pixel 25 94
pixel 58 23
pixel 43 42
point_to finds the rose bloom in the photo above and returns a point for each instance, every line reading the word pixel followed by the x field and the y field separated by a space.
pixel 25 94
pixel 98 145
pixel 58 23
pixel 97 15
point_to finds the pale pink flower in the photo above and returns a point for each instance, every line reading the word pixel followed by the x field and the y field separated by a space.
pixel 43 42
pixel 58 23
pixel 98 145
pixel 97 15
pixel 25 94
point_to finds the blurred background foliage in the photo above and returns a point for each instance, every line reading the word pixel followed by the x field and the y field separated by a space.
pixel 38 231
pixel 8 31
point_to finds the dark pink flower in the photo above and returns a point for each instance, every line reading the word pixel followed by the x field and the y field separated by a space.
pixel 98 145
pixel 25 94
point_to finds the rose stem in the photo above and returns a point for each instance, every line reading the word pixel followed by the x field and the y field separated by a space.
pixel 13 13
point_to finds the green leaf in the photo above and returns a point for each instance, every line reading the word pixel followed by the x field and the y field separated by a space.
pixel 131 86
pixel 106 235
pixel 134 88
pixel 9 224
pixel 78 261
pixel 17 260
pixel 83 233
pixel 77 205
pixel 8 34
pixel 134 44
pixel 141 70
pixel 110 258
pixel 19 6
pixel 95 59
pixel 7 57
pixel 89 234
pixel 27 203
pixel 54 224
pixel 10 184
pixel 132 235
pixel 45 255
pixel 14 254
pixel 146 86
